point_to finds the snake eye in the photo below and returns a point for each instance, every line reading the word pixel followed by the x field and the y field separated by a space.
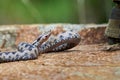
pixel 46 36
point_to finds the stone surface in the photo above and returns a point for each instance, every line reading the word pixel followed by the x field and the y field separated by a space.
pixel 90 34
pixel 93 35
pixel 14 34
pixel 84 62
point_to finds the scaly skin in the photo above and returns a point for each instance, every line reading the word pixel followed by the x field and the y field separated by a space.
pixel 43 44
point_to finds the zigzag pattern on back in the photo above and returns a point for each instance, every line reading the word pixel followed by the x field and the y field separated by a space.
pixel 46 42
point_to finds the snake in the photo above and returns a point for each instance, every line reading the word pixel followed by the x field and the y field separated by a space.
pixel 45 43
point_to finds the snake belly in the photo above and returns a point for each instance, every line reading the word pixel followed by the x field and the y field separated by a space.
pixel 45 43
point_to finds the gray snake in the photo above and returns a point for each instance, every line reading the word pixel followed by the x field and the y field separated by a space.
pixel 43 44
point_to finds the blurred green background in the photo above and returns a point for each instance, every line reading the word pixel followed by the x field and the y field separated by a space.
pixel 54 11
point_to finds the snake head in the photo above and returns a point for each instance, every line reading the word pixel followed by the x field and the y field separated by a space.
pixel 42 38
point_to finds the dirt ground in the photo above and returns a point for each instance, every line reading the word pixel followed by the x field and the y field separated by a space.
pixel 84 62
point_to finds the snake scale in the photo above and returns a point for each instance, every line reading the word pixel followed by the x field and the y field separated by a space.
pixel 45 43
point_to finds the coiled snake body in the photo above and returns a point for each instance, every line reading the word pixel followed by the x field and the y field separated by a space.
pixel 44 43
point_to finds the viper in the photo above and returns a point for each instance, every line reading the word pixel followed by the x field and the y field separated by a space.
pixel 45 43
